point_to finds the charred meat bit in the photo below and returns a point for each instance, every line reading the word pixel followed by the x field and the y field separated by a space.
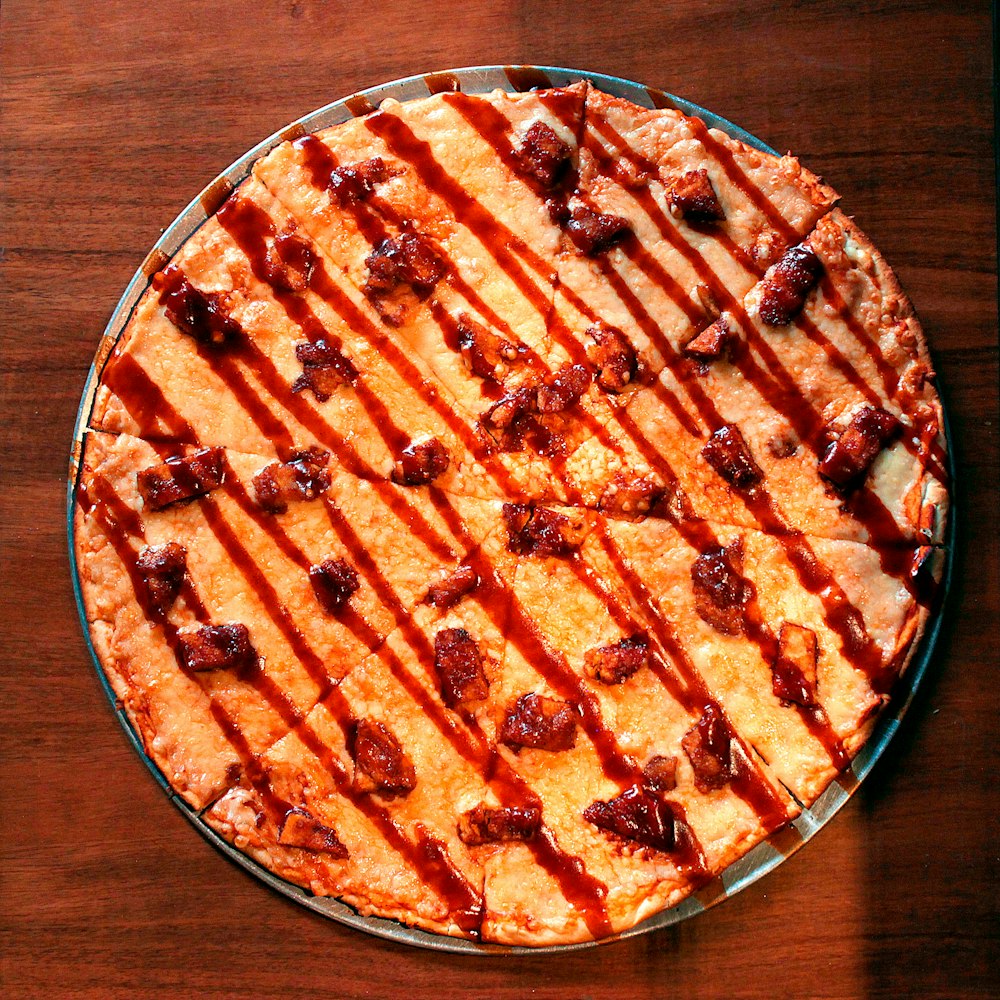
pixel 289 262
pixel 595 232
pixel 729 455
pixel 693 196
pixel 218 647
pixel 485 354
pixel 304 477
pixel 636 815
pixel 562 389
pixel 539 723
pixel 300 828
pixel 847 459
pixel 616 663
pixel 720 592
pixel 712 342
pixel 660 773
pixel 356 181
pixel 421 463
pixel 793 673
pixel 162 568
pixel 201 315
pixel 544 154
pixel 449 591
pixel 494 825
pixel 324 368
pixel 410 258
pixel 539 531
pixel 333 582
pixel 708 745
pixel 181 478
pixel 615 358
pixel 381 764
pixel 630 498
pixel 784 291
pixel 511 417
pixel 459 665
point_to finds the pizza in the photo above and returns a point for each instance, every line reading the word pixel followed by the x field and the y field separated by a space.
pixel 507 510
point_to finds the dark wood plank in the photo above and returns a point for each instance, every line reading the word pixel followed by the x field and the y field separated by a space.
pixel 114 116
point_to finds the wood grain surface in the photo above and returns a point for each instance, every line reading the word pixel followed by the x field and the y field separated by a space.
pixel 114 115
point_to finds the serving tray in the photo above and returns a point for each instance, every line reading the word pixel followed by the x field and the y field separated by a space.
pixel 478 80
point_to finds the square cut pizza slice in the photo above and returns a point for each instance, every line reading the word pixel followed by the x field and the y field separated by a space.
pixel 251 577
pixel 623 755
pixel 254 338
pixel 799 638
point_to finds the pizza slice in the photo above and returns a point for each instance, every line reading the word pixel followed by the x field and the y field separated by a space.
pixel 622 752
pixel 799 638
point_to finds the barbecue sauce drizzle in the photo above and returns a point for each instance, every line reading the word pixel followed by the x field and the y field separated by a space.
pixel 427 856
pixel 258 412
pixel 584 891
pixel 843 618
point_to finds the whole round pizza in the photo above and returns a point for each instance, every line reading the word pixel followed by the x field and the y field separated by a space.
pixel 507 510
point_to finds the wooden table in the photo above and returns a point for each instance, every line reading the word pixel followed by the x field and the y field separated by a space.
pixel 115 114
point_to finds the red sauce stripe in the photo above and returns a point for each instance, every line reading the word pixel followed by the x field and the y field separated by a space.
pixel 447 883
pixel 782 388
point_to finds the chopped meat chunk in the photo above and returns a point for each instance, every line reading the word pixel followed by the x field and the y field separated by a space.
pixel 333 581
pixel 595 232
pixel 539 531
pixel 793 673
pixel 354 182
pixel 512 416
pixel 304 477
pixel 488 825
pixel 181 477
pixel 324 368
pixel 421 463
pixel 720 592
pixel 708 745
pixel 485 353
pixel 616 663
pixel 300 828
pixel 712 342
pixel 729 455
pixel 562 389
pixel 539 723
pixel 410 258
pixel 636 815
pixel 459 666
pixel 693 197
pixel 630 498
pixel 289 262
pixel 381 764
pixel 544 154
pixel 200 315
pixel 218 647
pixel 660 773
pixel 449 591
pixel 847 459
pixel 615 358
pixel 784 290
pixel 162 568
